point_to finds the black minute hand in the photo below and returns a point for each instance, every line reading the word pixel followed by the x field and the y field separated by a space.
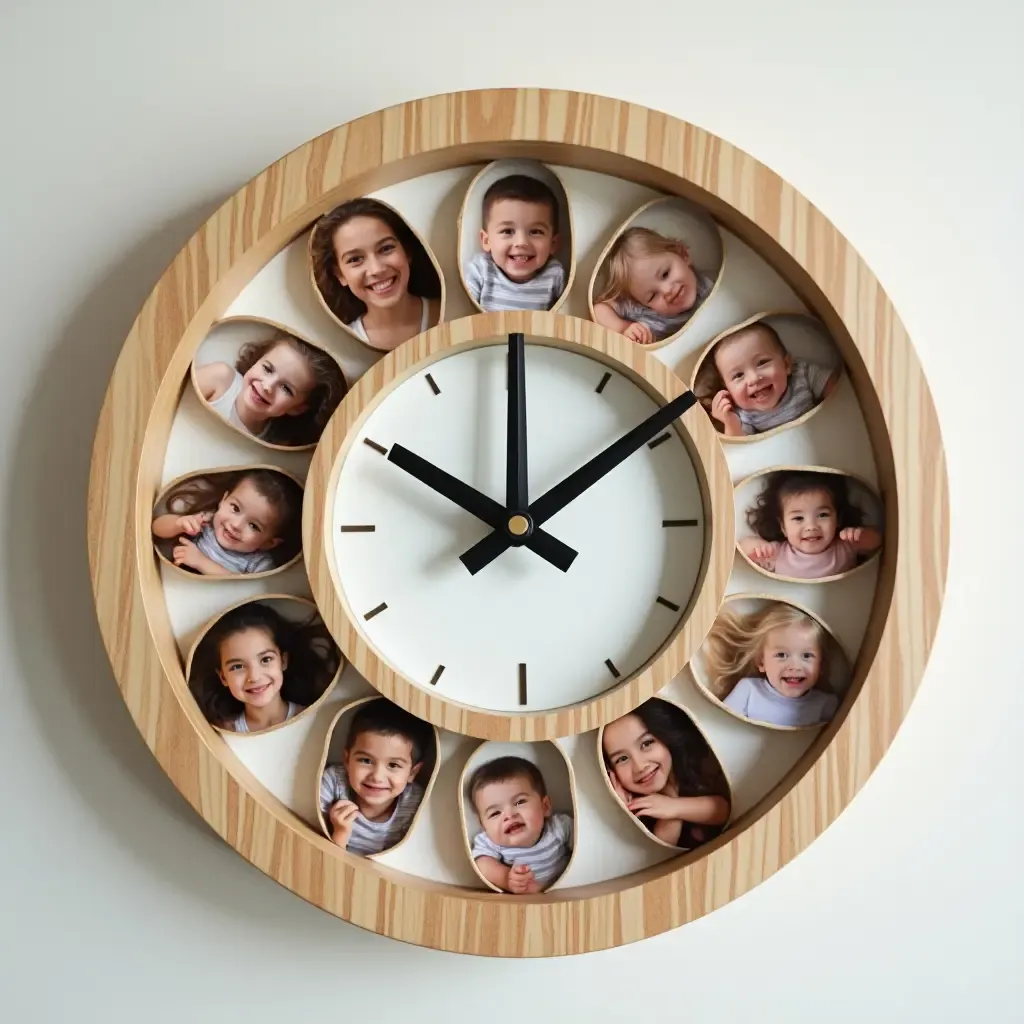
pixel 517 495
pixel 478 504
pixel 549 504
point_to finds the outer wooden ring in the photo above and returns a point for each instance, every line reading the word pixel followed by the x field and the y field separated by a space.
pixel 592 133
pixel 757 318
pixel 701 682
pixel 606 347
pixel 870 560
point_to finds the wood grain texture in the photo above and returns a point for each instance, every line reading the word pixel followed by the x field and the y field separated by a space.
pixel 593 133
pixel 413 357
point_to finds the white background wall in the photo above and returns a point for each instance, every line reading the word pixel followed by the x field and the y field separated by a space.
pixel 126 123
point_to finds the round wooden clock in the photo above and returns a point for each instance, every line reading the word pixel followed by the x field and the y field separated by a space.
pixel 529 534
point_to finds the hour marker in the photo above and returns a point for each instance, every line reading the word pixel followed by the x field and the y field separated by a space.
pixel 433 385
pixel 661 439
pixel 679 522
pixel 522 683
pixel 667 603
pixel 358 529
pixel 604 380
pixel 437 675
pixel 376 447
pixel 376 611
pixel 611 667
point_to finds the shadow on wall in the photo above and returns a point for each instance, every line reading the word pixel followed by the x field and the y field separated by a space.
pixel 81 718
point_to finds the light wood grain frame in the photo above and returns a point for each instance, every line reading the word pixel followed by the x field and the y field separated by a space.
pixel 591 133
pixel 473 194
pixel 217 471
pixel 467 843
pixel 625 810
pixel 775 314
pixel 428 786
pixel 414 356
pixel 323 301
pixel 825 470
pixel 262 599
pixel 595 275
pixel 697 671
pixel 271 325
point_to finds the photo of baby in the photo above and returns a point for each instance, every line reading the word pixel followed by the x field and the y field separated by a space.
pixel 374 275
pixel 807 525
pixel 750 382
pixel 657 272
pixel 772 663
pixel 665 773
pixel 233 522
pixel 281 390
pixel 522 235
pixel 523 846
pixel 261 664
pixel 369 797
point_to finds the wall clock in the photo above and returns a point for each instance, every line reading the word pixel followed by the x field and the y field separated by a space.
pixel 520 527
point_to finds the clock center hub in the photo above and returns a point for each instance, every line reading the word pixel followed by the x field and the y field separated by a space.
pixel 520 525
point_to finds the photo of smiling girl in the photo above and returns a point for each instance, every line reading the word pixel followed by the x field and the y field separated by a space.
pixel 281 390
pixel 664 772
pixel 374 275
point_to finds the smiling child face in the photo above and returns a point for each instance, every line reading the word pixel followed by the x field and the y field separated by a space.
pixel 754 368
pixel 372 263
pixel 511 811
pixel 379 767
pixel 245 521
pixel 279 384
pixel 791 660
pixel 664 282
pixel 519 236
pixel 252 667
pixel 639 760
pixel 809 521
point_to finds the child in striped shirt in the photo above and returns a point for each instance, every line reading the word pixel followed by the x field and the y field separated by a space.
pixel 523 847
pixel 516 269
pixel 369 800
pixel 750 383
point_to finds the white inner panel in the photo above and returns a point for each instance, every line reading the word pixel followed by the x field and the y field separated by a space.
pixel 755 759
pixel 519 609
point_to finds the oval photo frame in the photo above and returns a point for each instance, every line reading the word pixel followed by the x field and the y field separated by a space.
pixel 470 220
pixel 257 331
pixel 552 762
pixel 838 683
pixel 802 335
pixel 674 217
pixel 317 274
pixel 724 783
pixel 860 493
pixel 291 546
pixel 295 610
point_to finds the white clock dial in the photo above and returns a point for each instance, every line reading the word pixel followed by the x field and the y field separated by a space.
pixel 519 635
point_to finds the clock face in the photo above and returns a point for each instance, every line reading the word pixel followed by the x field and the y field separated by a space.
pixel 520 634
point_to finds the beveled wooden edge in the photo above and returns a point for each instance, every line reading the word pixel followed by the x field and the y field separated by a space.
pixel 780 314
pixel 870 560
pixel 464 824
pixel 323 302
pixel 596 272
pixel 413 357
pixel 632 817
pixel 200 577
pixel 261 599
pixel 470 190
pixel 696 669
pixel 431 779
pixel 592 133
pixel 275 325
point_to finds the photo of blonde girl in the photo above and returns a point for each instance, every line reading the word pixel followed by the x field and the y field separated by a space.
pixel 281 390
pixel 373 273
